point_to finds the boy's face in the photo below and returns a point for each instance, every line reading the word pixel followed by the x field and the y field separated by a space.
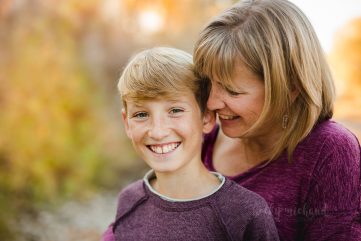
pixel 167 134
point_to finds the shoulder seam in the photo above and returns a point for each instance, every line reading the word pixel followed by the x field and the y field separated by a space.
pixel 117 221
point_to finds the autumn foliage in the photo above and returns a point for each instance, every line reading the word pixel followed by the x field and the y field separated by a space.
pixel 61 134
pixel 345 60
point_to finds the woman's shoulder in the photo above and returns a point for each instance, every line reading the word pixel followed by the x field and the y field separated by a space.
pixel 330 148
pixel 330 145
pixel 332 135
pixel 332 128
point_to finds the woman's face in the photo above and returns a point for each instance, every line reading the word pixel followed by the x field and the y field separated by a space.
pixel 238 109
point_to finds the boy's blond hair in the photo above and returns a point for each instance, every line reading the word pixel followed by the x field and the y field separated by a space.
pixel 161 72
pixel 275 40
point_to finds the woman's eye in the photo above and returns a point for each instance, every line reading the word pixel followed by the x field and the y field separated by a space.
pixel 140 115
pixel 231 92
pixel 228 90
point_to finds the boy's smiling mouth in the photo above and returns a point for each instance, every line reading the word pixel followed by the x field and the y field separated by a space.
pixel 163 148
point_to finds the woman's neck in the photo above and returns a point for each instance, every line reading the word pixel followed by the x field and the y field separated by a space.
pixel 188 183
pixel 241 154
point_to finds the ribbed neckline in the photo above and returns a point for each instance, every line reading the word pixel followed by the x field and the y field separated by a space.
pixel 170 203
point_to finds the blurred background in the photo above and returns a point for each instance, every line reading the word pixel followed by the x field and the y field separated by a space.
pixel 63 153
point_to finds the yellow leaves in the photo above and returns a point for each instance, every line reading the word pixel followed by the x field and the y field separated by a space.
pixel 79 7
pixel 60 127
pixel 49 105
pixel 345 60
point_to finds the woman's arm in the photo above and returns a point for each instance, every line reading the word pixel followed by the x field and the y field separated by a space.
pixel 332 208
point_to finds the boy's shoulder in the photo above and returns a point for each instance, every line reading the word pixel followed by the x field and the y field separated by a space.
pixel 130 196
pixel 240 205
pixel 244 213
pixel 237 201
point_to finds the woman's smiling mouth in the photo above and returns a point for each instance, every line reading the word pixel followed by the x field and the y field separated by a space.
pixel 227 117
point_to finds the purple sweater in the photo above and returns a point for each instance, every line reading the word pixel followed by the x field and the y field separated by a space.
pixel 230 213
pixel 317 197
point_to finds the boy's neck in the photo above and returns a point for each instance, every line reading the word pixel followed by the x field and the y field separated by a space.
pixel 192 183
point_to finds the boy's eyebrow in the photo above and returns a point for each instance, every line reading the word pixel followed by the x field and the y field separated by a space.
pixel 135 107
pixel 177 101
pixel 136 104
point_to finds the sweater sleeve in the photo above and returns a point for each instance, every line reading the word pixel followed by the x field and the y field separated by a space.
pixel 332 208
pixel 128 198
pixel 261 228
pixel 245 215
pixel 108 235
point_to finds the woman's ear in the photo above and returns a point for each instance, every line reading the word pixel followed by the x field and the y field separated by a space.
pixel 209 120
pixel 125 121
pixel 294 93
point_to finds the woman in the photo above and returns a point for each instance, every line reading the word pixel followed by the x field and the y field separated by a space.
pixel 273 93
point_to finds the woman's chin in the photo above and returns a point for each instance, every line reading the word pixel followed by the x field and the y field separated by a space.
pixel 231 132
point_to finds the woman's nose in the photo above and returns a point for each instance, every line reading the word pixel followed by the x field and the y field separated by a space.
pixel 215 99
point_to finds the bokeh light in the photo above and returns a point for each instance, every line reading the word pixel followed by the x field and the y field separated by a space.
pixel 150 21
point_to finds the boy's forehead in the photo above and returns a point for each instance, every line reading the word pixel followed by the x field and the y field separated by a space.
pixel 142 101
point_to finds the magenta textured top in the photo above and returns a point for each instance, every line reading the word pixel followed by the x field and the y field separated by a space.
pixel 317 197
pixel 230 213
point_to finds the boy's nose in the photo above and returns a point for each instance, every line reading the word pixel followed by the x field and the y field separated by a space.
pixel 158 129
pixel 215 99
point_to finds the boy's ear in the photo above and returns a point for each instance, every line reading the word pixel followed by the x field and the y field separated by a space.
pixel 125 121
pixel 209 120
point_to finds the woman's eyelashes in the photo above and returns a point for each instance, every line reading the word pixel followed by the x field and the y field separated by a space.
pixel 232 92
pixel 229 91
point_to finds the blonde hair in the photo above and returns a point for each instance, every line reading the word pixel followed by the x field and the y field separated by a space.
pixel 161 72
pixel 275 40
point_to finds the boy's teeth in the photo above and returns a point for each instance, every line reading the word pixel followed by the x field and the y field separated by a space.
pixel 164 148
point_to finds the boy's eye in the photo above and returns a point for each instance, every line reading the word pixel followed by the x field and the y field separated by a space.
pixel 176 110
pixel 140 115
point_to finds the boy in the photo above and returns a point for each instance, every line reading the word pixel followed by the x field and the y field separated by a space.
pixel 179 199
